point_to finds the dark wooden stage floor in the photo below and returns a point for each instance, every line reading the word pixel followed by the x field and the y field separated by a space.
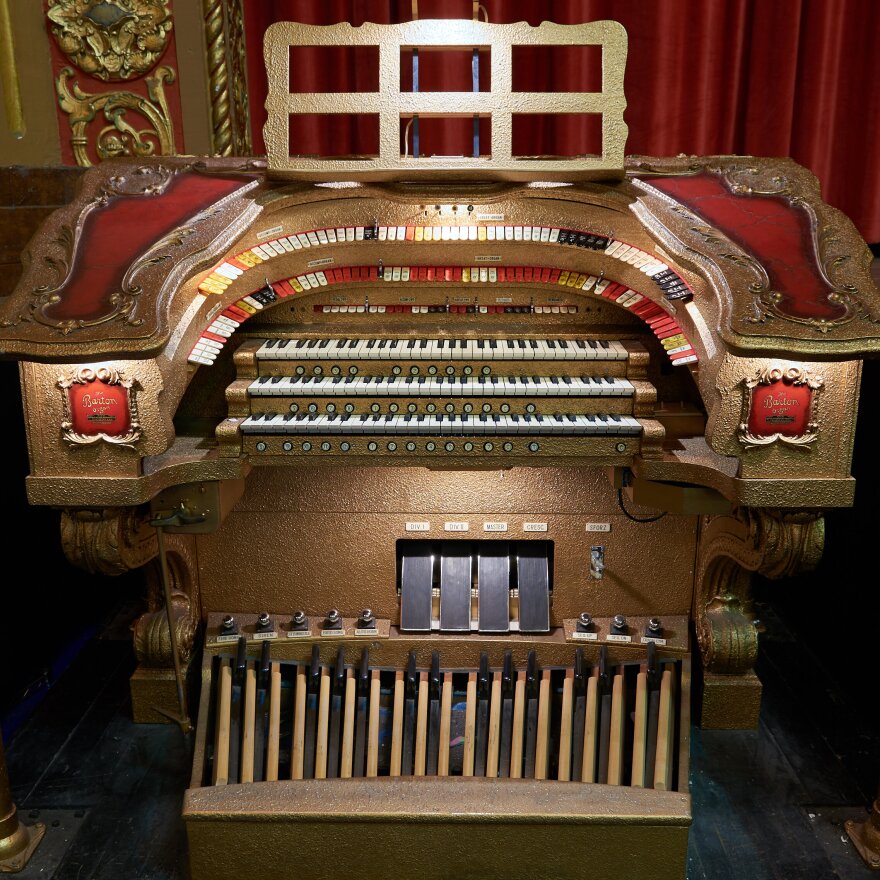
pixel 767 804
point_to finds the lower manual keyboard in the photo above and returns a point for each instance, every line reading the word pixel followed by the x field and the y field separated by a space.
pixel 443 425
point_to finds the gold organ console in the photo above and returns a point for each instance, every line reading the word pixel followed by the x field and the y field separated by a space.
pixel 461 466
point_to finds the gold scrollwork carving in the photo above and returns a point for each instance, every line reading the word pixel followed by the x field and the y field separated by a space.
pixel 773 543
pixel 119 137
pixel 152 642
pixel 227 76
pixel 110 541
pixel 793 376
pixel 112 40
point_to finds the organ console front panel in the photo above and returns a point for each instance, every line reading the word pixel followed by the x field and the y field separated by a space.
pixel 458 477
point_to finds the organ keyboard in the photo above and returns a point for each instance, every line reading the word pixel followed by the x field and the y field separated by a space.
pixel 442 349
pixel 449 473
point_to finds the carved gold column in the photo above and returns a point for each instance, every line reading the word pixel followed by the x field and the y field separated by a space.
pixel 113 541
pixel 227 76
pixel 17 841
pixel 773 543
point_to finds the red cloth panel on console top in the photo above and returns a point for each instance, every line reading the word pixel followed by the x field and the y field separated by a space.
pixel 777 234
pixel 113 237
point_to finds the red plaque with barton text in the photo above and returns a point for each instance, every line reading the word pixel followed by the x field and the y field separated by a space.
pixel 779 405
pixel 780 408
pixel 99 405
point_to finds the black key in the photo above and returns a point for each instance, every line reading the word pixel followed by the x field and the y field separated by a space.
pixel 604 691
pixel 653 714
pixel 261 720
pixel 580 712
pixel 361 711
pixel 432 751
pixel 481 737
pixel 236 713
pixel 410 696
pixel 531 737
pixel 337 713
pixel 314 686
pixel 507 690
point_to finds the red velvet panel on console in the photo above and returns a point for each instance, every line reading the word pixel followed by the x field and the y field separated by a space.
pixel 776 233
pixel 114 236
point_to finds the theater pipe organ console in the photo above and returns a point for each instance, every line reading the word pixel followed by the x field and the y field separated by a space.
pixel 458 472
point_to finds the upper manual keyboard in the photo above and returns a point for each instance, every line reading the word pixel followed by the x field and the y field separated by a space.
pixel 442 349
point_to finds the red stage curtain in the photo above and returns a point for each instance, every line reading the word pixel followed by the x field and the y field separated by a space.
pixel 763 77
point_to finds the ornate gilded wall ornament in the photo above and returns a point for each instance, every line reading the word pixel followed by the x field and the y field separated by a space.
pixel 121 136
pixel 779 406
pixel 112 40
pixel 99 405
